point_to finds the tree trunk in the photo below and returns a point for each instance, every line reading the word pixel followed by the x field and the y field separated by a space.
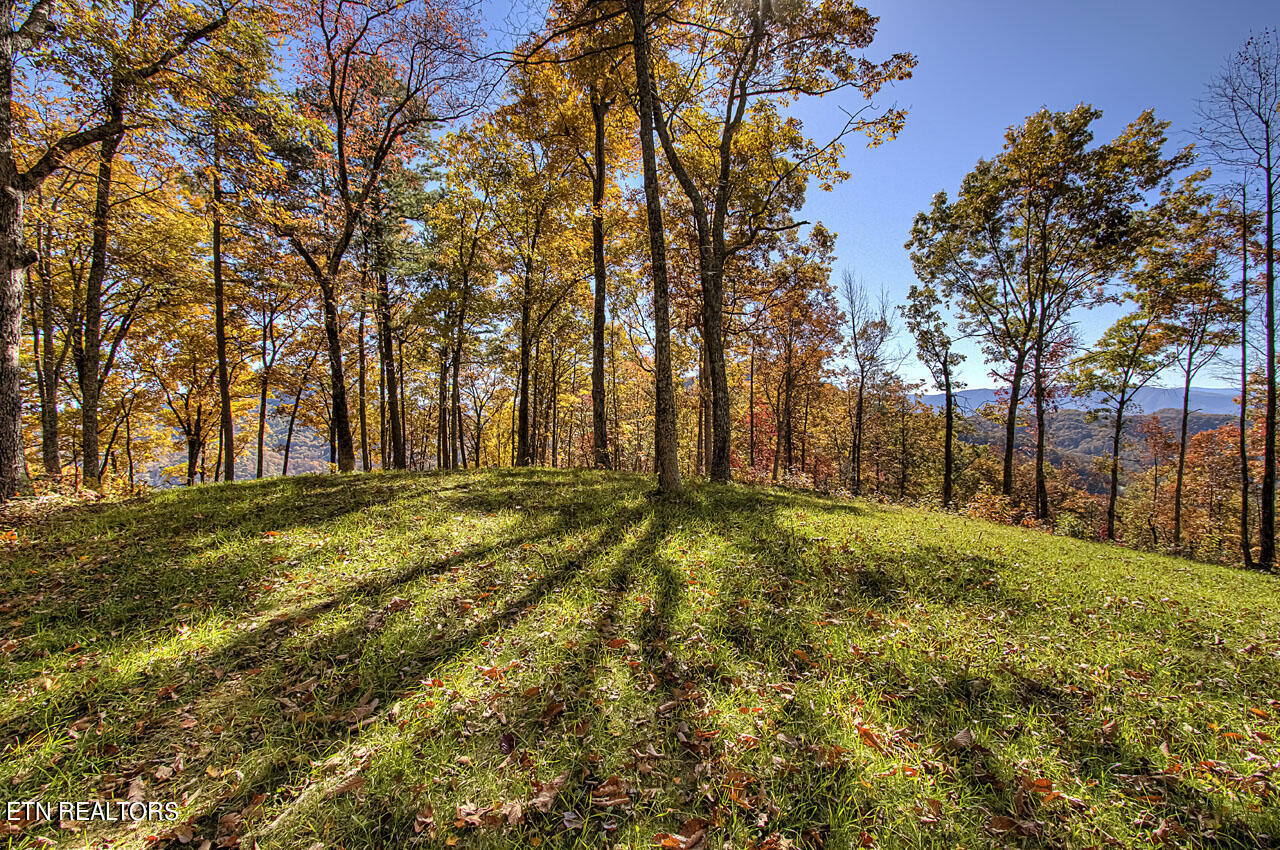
pixel 524 451
pixel 343 444
pixel 193 448
pixel 386 350
pixel 226 442
pixel 1246 546
pixel 1115 471
pixel 664 445
pixel 1267 533
pixel 1011 426
pixel 361 403
pixel 948 434
pixel 599 433
pixel 1182 458
pixel 50 367
pixel 14 259
pixel 444 457
pixel 88 354
pixel 1042 490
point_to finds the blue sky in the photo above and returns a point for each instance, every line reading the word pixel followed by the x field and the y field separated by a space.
pixel 984 66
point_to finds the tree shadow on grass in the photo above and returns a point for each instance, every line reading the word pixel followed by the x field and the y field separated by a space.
pixel 767 733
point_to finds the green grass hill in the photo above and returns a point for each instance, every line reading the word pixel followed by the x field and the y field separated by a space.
pixel 551 659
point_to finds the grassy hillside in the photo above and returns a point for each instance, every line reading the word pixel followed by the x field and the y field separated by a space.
pixel 548 659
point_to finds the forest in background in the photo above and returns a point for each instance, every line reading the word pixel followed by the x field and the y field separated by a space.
pixel 231 227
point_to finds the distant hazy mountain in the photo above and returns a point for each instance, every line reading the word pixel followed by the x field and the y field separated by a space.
pixel 1149 399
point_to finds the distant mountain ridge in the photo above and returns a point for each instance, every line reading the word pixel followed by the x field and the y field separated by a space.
pixel 1215 400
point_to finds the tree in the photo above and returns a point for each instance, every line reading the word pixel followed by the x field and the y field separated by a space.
pixel 160 38
pixel 934 347
pixel 1182 271
pixel 870 330
pixel 666 463
pixel 1126 358
pixel 748 60
pixel 1036 233
pixel 374 75
pixel 1240 119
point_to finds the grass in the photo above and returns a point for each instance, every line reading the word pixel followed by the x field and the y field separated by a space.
pixel 550 659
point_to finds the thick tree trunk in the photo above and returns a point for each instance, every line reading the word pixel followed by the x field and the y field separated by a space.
pixel 14 258
pixel 599 433
pixel 343 444
pixel 664 446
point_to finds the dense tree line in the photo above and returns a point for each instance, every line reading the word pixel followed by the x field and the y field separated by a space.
pixel 254 226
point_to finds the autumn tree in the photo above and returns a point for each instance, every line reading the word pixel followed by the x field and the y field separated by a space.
pixel 1240 120
pixel 1182 271
pixel 373 75
pixel 716 118
pixel 1036 233
pixel 115 59
pixel 1128 356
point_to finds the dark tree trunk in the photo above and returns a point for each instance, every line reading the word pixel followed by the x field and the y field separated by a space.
pixel 664 445
pixel 344 452
pixel 1115 470
pixel 444 457
pixel 194 446
pixel 88 353
pixel 1011 425
pixel 524 450
pixel 1246 545
pixel 599 433
pixel 1042 490
pixel 1182 458
pixel 948 435
pixel 386 351
pixel 226 442
pixel 361 403
pixel 50 371
pixel 1267 532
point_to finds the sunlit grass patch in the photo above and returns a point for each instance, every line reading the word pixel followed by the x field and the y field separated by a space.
pixel 550 658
